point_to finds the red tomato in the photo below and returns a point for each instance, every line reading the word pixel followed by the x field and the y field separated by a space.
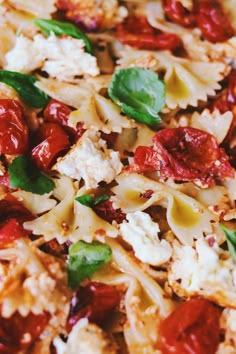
pixel 52 141
pixel 185 154
pixel 213 22
pixel 18 333
pixel 13 129
pixel 106 211
pixel 96 301
pixel 193 328
pixel 12 216
pixel 57 112
pixel 177 13
pixel 137 32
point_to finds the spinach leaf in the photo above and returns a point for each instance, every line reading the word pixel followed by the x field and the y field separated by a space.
pixel 89 201
pixel 24 86
pixel 25 175
pixel 139 92
pixel 84 259
pixel 231 240
pixel 60 28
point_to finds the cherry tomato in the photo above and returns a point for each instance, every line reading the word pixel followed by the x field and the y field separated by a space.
pixel 13 129
pixel 12 216
pixel 96 301
pixel 137 32
pixel 57 112
pixel 177 13
pixel 52 141
pixel 213 22
pixel 18 333
pixel 106 211
pixel 193 328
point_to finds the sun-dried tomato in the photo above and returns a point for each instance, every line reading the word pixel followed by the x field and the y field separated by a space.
pixel 54 248
pixel 177 13
pixel 137 32
pixel 106 211
pixel 194 327
pixel 12 216
pixel 52 142
pixel 18 332
pixel 185 154
pixel 96 301
pixel 13 128
pixel 212 21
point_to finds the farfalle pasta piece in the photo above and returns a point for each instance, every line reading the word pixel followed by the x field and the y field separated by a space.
pixel 35 203
pixel 187 218
pixel 70 94
pixel 7 41
pixel 187 81
pixel 43 8
pixel 100 113
pixel 190 275
pixel 37 278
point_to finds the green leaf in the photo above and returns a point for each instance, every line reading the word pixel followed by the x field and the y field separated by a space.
pixel 89 201
pixel 84 259
pixel 60 28
pixel 24 86
pixel 25 175
pixel 231 240
pixel 140 94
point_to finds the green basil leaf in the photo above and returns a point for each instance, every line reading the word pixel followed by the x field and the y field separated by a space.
pixel 140 94
pixel 25 175
pixel 24 86
pixel 231 240
pixel 89 201
pixel 85 199
pixel 84 259
pixel 60 28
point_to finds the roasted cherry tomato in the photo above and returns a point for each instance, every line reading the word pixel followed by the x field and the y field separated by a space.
pixel 193 328
pixel 213 22
pixel 57 112
pixel 106 211
pixel 137 32
pixel 13 129
pixel 185 154
pixel 12 216
pixel 96 301
pixel 18 333
pixel 52 141
pixel 177 13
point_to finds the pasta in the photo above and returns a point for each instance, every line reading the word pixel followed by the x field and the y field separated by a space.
pixel 117 177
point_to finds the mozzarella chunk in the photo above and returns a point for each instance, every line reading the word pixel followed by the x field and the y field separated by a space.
pixel 91 160
pixel 142 234
pixel 24 57
pixel 63 58
pixel 228 327
pixel 207 271
pixel 85 338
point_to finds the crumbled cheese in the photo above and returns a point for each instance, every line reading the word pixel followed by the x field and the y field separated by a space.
pixel 24 57
pixel 228 327
pixel 85 338
pixel 142 233
pixel 91 160
pixel 207 271
pixel 63 58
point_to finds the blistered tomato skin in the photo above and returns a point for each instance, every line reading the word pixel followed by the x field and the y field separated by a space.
pixel 96 301
pixel 18 333
pixel 213 22
pixel 13 129
pixel 175 12
pixel 106 211
pixel 57 112
pixel 12 216
pixel 52 141
pixel 137 32
pixel 193 328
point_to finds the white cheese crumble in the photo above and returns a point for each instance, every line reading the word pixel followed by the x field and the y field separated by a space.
pixel 85 338
pixel 63 58
pixel 142 234
pixel 91 160
pixel 207 270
